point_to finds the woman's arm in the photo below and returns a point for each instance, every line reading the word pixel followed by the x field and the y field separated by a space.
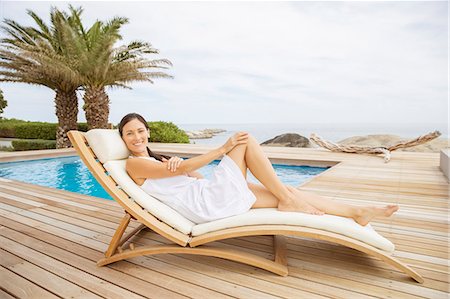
pixel 140 168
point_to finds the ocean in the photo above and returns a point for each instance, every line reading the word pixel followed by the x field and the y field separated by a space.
pixel 332 132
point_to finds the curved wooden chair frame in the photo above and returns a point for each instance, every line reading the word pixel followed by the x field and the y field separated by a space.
pixel 187 244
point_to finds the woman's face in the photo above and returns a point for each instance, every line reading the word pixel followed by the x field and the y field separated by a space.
pixel 135 135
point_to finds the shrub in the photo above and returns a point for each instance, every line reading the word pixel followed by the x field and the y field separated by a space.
pixel 166 132
pixel 7 127
pixel 33 130
pixel 35 144
pixel 83 127
pixel 15 128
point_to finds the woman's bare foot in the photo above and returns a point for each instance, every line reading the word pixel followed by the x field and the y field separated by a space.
pixel 365 215
pixel 297 205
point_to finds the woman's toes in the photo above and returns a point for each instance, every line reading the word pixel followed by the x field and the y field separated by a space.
pixel 369 213
pixel 390 209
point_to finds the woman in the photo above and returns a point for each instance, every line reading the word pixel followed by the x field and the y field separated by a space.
pixel 175 181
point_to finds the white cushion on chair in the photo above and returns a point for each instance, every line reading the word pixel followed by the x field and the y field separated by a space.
pixel 336 224
pixel 107 144
pixel 117 171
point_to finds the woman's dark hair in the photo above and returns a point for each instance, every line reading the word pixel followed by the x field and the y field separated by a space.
pixel 129 117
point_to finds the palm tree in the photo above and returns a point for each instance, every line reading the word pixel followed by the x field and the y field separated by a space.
pixel 102 65
pixel 67 57
pixel 45 56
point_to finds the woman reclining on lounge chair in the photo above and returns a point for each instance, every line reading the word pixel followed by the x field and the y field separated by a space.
pixel 175 182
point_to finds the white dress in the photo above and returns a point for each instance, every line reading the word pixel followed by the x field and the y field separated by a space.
pixel 225 194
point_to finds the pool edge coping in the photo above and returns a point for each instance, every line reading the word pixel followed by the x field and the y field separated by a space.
pixel 55 153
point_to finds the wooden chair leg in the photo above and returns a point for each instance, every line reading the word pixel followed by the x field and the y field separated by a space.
pixel 131 234
pixel 115 241
pixel 280 250
pixel 208 250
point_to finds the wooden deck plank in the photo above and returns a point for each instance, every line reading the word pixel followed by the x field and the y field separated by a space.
pixel 90 282
pixel 298 286
pixel 308 294
pixel 101 203
pixel 78 270
pixel 347 282
pixel 351 260
pixel 104 214
pixel 26 204
pixel 97 228
pixel 52 198
pixel 338 270
pixel 42 225
pixel 73 220
pixel 5 295
pixel 109 231
pixel 20 287
pixel 193 278
pixel 149 276
pixel 197 266
pixel 39 276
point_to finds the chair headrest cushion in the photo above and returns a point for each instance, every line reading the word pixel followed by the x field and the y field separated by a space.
pixel 107 144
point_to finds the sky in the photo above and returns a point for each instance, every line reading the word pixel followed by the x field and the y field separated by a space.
pixel 270 62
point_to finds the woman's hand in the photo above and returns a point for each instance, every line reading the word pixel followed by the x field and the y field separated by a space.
pixel 236 139
pixel 173 163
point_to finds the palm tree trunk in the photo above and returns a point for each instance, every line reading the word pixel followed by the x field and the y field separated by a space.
pixel 66 104
pixel 96 107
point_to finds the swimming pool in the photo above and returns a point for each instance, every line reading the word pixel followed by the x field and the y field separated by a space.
pixel 69 173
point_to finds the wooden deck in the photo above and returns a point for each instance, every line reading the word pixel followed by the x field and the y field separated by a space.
pixel 50 240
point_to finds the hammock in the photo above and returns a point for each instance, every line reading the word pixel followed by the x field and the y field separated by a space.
pixel 386 151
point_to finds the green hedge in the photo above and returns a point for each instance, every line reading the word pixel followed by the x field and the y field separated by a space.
pixel 14 128
pixel 35 144
pixel 7 127
pixel 44 131
pixel 160 131
pixel 83 127
pixel 166 132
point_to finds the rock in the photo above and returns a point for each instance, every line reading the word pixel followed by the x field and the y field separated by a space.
pixel 288 140
pixel 198 135
pixel 214 131
pixel 203 134
pixel 432 146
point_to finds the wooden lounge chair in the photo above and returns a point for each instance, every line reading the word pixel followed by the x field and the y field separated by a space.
pixel 104 153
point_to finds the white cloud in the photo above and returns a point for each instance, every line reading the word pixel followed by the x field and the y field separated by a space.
pixel 287 62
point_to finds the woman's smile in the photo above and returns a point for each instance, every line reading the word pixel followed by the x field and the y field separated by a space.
pixel 135 135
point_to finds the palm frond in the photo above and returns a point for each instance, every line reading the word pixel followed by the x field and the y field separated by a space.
pixel 45 31
pixel 111 28
pixel 18 32
pixel 66 55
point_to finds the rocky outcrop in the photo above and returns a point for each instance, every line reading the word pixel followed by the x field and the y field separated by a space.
pixel 381 140
pixel 203 134
pixel 432 146
pixel 288 140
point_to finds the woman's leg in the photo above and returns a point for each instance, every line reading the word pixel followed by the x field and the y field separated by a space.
pixel 361 215
pixel 251 156
pixel 275 194
pixel 264 198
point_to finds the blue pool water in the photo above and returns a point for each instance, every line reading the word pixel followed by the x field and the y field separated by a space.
pixel 69 173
